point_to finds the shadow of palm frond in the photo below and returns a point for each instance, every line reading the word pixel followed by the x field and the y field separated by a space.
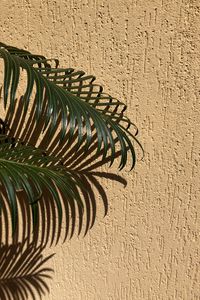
pixel 23 272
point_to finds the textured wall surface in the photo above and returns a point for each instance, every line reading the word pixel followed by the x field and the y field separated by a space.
pixel 145 52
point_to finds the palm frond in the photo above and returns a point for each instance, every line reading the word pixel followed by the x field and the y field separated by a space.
pixel 58 100
pixel 61 128
pixel 43 197
pixel 29 169
pixel 22 272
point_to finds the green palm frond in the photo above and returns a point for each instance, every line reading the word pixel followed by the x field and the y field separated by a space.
pixel 55 134
pixel 51 193
pixel 55 94
pixel 22 272
pixel 29 169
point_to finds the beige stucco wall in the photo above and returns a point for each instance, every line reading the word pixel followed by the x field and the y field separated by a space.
pixel 147 54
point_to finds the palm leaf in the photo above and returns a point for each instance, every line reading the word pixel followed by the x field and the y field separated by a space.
pixel 29 169
pixel 61 129
pixel 43 192
pixel 57 96
pixel 22 272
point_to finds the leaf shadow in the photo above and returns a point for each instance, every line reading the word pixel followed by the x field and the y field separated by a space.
pixel 22 248
pixel 23 271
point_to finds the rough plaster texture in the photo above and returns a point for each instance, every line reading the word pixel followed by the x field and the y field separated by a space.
pixel 146 53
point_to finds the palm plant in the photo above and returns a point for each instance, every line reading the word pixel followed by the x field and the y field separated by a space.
pixel 58 127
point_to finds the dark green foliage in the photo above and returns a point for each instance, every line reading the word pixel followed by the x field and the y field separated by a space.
pixel 54 135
